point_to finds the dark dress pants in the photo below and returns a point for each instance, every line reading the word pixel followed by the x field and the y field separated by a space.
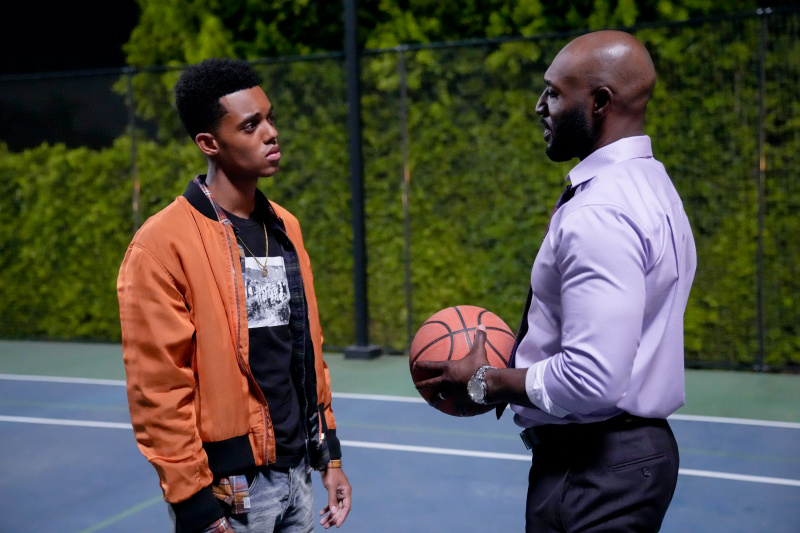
pixel 616 476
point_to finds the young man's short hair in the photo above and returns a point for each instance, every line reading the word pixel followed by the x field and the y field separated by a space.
pixel 200 87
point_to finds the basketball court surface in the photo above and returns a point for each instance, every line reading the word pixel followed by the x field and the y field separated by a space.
pixel 69 462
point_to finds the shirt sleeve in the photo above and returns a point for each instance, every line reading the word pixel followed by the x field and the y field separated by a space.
pixel 601 255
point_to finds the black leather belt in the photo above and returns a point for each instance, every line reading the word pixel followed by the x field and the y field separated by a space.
pixel 553 434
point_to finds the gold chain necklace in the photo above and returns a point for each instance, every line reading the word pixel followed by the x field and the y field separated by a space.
pixel 264 271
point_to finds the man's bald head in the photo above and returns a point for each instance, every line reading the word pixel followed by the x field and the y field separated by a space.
pixel 598 87
pixel 612 59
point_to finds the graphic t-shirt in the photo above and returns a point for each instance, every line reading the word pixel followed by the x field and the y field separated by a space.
pixel 268 314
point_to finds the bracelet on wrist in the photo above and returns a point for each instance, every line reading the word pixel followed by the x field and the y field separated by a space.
pixel 335 463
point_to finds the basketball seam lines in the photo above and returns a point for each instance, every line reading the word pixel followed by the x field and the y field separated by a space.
pixel 466 333
pixel 434 342
pixel 466 330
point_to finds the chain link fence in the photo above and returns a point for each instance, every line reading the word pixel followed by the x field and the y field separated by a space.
pixel 457 185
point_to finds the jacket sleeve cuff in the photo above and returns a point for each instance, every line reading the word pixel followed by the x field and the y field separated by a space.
pixel 197 513
pixel 334 447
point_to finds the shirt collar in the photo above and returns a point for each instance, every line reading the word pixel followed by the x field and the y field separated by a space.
pixel 200 197
pixel 616 152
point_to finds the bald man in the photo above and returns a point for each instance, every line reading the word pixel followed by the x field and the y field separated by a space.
pixel 598 363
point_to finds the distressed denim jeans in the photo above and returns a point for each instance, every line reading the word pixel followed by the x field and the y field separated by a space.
pixel 281 501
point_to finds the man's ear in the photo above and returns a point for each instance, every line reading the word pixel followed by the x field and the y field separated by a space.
pixel 207 143
pixel 603 98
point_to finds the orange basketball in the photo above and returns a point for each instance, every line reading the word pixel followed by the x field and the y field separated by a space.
pixel 448 335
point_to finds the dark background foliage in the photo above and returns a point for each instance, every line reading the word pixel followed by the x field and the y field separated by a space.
pixel 480 187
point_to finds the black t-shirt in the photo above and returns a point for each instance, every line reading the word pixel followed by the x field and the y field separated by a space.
pixel 268 314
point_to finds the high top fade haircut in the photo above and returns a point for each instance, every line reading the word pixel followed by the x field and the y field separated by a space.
pixel 200 87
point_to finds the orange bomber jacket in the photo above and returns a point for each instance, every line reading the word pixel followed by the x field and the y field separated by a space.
pixel 197 412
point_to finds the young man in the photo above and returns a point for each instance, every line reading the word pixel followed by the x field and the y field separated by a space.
pixel 228 393
pixel 598 364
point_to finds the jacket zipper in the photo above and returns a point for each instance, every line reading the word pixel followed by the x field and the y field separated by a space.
pixel 303 387
pixel 252 380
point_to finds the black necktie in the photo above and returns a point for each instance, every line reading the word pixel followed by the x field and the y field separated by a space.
pixel 566 196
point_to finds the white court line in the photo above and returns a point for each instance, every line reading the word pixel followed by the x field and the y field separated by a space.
pixel 690 418
pixel 740 477
pixel 377 397
pixel 58 379
pixel 417 449
pixel 438 451
pixel 742 421
pixel 527 458
pixel 409 399
pixel 65 422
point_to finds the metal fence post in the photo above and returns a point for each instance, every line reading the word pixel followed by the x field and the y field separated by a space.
pixel 761 178
pixel 401 68
pixel 362 349
pixel 129 102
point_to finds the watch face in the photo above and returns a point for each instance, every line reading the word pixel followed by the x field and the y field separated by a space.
pixel 475 390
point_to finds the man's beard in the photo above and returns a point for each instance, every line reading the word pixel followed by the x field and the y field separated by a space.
pixel 570 137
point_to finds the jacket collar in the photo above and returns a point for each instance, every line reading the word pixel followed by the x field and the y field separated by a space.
pixel 201 199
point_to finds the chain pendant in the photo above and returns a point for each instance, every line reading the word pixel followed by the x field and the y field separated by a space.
pixel 264 271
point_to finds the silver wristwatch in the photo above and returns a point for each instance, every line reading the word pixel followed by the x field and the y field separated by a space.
pixel 476 387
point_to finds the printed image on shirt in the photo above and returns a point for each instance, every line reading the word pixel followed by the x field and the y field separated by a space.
pixel 267 297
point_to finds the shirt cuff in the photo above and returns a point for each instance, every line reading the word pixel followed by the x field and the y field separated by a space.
pixel 534 388
pixel 220 526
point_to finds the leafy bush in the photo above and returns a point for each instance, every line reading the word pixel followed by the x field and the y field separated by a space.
pixel 481 190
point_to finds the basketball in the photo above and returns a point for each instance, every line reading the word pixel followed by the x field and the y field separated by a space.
pixel 448 335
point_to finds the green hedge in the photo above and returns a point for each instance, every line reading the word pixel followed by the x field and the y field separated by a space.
pixel 481 192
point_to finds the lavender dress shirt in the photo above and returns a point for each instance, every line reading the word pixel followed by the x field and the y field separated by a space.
pixel 610 285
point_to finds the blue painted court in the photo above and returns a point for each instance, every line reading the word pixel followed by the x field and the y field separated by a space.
pixel 69 463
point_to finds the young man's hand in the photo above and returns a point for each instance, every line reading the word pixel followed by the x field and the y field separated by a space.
pixel 339 492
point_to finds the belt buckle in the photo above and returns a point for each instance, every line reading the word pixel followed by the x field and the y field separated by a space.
pixel 529 438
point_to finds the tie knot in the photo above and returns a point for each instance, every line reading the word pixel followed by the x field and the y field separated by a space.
pixel 566 195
